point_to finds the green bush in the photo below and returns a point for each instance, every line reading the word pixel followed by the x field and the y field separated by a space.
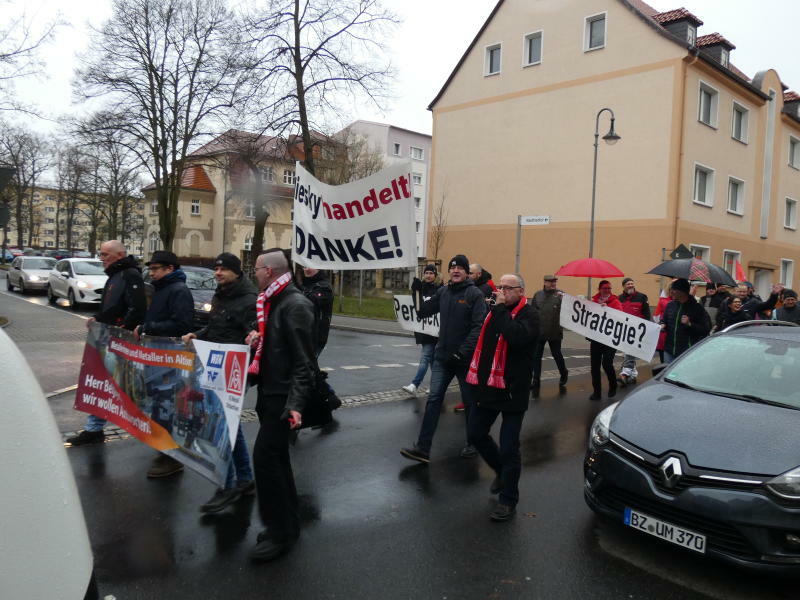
pixel 373 308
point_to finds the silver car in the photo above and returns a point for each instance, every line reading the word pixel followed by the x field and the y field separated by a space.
pixel 79 280
pixel 29 273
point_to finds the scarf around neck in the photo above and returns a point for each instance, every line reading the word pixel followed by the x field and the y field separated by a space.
pixel 263 304
pixel 498 371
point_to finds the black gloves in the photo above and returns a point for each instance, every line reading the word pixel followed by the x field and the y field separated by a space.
pixel 416 285
pixel 456 361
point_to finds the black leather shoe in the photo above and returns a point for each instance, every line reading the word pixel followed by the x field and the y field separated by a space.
pixel 415 453
pixel 269 550
pixel 248 488
pixel 468 451
pixel 496 486
pixel 502 512
pixel 612 391
pixel 595 397
pixel 87 437
pixel 563 381
pixel 221 499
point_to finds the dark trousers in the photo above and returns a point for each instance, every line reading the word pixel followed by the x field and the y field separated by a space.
pixel 441 376
pixel 555 350
pixel 277 495
pixel 601 354
pixel 504 459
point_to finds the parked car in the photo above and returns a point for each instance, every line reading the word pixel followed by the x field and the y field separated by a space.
pixel 705 454
pixel 28 273
pixel 82 254
pixel 15 251
pixel 58 254
pixel 79 280
pixel 201 283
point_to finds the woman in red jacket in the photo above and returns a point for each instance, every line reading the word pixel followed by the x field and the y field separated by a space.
pixel 600 354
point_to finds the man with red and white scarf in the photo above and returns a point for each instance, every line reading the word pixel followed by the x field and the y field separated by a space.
pixel 500 371
pixel 284 366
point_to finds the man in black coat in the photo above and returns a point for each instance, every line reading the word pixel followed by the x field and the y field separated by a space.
pixel 232 317
pixel 317 288
pixel 285 363
pixel 169 315
pixel 426 289
pixel 123 305
pixel 502 388
pixel 685 321
pixel 482 280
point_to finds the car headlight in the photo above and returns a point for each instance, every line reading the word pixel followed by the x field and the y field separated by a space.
pixel 786 485
pixel 82 284
pixel 204 306
pixel 33 278
pixel 600 432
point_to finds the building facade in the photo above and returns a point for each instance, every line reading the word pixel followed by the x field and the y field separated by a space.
pixel 709 157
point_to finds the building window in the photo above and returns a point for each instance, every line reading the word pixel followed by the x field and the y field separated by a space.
pixel 417 153
pixel 396 150
pixel 701 252
pixel 739 125
pixel 790 219
pixel 595 36
pixel 49 198
pixel 154 242
pixel 288 176
pixel 250 209
pixel 729 260
pixel 493 59
pixel 416 178
pixel 532 49
pixel 703 185
pixel 267 174
pixel 195 206
pixel 735 196
pixel 723 57
pixel 248 242
pixel 787 272
pixel 154 207
pixel 707 105
pixel 49 232
pixel 417 226
pixel 794 153
pixel 50 220
pixel 50 209
pixel 691 34
pixel 49 243
pixel 417 201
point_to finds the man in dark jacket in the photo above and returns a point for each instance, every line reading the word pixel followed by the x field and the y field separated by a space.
pixel 546 303
pixel 169 315
pixel 426 289
pixel 636 304
pixel 789 311
pixel 123 305
pixel 284 364
pixel 232 317
pixel 684 320
pixel 462 309
pixel 482 280
pixel 317 288
pixel 510 330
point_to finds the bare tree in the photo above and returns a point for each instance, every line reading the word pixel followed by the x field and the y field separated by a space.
pixel 354 159
pixel 170 67
pixel 438 229
pixel 74 175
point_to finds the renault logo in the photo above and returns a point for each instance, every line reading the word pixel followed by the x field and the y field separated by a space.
pixel 671 471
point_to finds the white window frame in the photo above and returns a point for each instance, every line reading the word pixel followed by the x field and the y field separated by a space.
pixel 714 112
pixel 267 174
pixel 725 57
pixel 787 272
pixel 288 176
pixel 416 178
pixel 737 258
pixel 790 223
pixel 526 40
pixel 154 207
pixel 740 197
pixel 154 241
pixel 691 35
pixel 487 61
pixel 705 251
pixel 397 148
pixel 249 209
pixel 587 31
pixel 248 243
pixel 195 207
pixel 745 112
pixel 794 156
pixel 709 195
pixel 420 151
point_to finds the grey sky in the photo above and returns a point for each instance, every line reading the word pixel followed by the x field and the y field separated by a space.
pixel 429 43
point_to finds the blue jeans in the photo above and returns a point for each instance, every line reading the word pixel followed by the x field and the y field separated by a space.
pixel 94 423
pixel 441 376
pixel 668 357
pixel 506 459
pixel 425 357
pixel 239 469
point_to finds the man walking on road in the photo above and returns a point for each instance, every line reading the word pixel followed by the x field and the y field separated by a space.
pixel 284 364
pixel 426 288
pixel 685 321
pixel 636 304
pixel 546 303
pixel 500 371
pixel 482 279
pixel 232 317
pixel 462 308
pixel 123 305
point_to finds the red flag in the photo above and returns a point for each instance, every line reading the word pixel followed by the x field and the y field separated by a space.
pixel 740 276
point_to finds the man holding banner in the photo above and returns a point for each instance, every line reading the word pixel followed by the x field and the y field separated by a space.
pixel 426 289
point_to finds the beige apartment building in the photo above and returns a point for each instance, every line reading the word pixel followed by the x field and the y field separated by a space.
pixel 709 156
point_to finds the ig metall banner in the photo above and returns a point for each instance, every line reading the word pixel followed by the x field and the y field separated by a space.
pixel 626 333
pixel 410 320
pixel 184 403
pixel 366 224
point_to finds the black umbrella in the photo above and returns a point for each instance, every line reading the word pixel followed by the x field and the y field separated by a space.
pixel 694 269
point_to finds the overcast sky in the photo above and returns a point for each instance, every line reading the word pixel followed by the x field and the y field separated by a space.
pixel 428 44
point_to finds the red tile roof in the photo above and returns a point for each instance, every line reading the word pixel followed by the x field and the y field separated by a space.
pixel 711 39
pixel 791 96
pixel 194 178
pixel 678 14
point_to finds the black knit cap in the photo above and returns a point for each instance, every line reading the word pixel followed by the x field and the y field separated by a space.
pixel 787 293
pixel 163 257
pixel 681 285
pixel 459 260
pixel 229 261
pixel 431 269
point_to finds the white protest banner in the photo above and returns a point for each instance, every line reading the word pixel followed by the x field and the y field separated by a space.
pixel 609 326
pixel 409 319
pixel 366 224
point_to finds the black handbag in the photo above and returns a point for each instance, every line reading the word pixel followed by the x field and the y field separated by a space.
pixel 321 403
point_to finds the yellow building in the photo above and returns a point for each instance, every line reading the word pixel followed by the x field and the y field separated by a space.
pixel 709 157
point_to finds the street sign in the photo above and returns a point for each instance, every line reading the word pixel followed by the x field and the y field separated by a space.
pixel 535 220
pixel 681 252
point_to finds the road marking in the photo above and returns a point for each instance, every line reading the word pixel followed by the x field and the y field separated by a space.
pixel 327 369
pixel 354 367
pixel 375 346
pixel 390 365
pixel 69 388
pixel 403 345
pixel 414 364
pixel 32 301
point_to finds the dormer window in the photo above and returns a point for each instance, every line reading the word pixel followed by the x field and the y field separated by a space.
pixel 723 57
pixel 691 34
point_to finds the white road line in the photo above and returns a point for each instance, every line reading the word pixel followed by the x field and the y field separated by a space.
pixel 414 364
pixel 328 369
pixel 354 367
pixel 31 301
pixel 403 345
pixel 580 356
pixel 390 365
pixel 61 391
pixel 375 346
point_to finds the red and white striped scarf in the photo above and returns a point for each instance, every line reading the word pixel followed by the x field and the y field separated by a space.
pixel 498 370
pixel 262 314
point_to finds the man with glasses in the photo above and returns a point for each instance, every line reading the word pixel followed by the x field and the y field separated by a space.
pixel 123 305
pixel 546 303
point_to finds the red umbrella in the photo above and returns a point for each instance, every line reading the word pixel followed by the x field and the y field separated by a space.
pixel 590 267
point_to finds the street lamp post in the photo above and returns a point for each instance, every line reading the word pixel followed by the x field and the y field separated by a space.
pixel 610 138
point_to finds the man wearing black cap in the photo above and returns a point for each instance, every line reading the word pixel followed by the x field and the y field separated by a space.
pixel 169 315
pixel 232 317
pixel 684 320
pixel 462 309
pixel 426 288
pixel 789 311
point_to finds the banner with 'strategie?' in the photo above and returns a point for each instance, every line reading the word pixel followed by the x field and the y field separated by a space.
pixel 627 333
pixel 366 224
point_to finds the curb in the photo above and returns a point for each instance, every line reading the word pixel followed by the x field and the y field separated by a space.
pixel 375 331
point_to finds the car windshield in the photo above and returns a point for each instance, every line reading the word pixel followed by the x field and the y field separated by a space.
pixel 746 367
pixel 38 263
pixel 200 280
pixel 88 267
